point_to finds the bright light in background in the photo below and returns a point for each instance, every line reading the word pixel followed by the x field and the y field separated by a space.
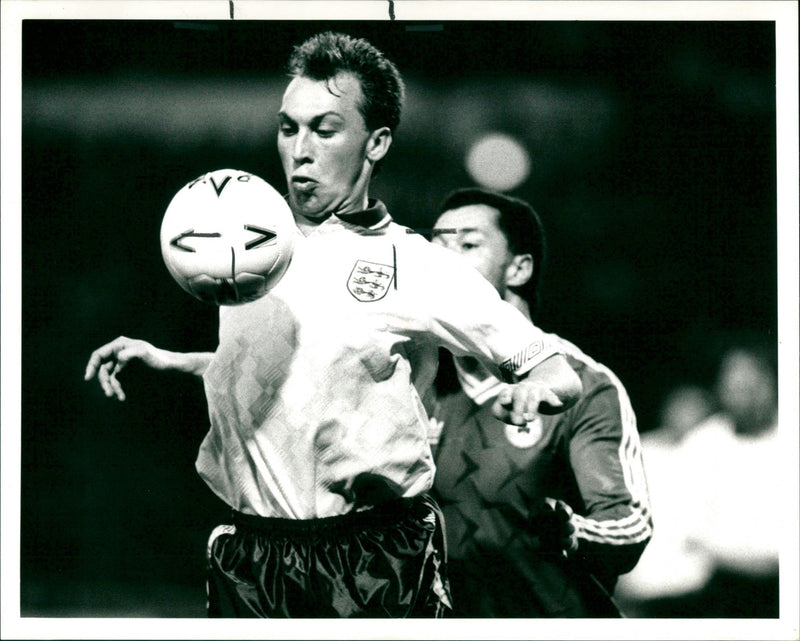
pixel 499 162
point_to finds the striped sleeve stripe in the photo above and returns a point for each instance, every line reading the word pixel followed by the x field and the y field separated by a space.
pixel 637 514
pixel 629 538
pixel 630 523
pixel 637 526
pixel 637 529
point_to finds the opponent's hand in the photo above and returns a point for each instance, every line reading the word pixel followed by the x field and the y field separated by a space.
pixel 108 361
pixel 518 404
pixel 553 524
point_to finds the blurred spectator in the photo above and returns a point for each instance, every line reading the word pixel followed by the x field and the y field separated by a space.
pixel 670 574
pixel 684 408
pixel 715 554
pixel 740 511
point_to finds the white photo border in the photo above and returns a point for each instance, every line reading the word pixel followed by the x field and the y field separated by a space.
pixel 783 13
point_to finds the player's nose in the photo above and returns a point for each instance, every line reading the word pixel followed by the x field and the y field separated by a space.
pixel 302 150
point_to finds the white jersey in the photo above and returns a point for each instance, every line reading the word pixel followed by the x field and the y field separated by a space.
pixel 314 391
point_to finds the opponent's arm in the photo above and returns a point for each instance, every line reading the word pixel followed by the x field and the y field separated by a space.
pixel 108 361
pixel 615 523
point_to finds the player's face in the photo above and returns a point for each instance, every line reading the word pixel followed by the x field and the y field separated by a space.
pixel 472 231
pixel 746 389
pixel 323 142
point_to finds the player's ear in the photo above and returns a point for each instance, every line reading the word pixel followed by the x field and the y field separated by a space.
pixel 378 144
pixel 519 270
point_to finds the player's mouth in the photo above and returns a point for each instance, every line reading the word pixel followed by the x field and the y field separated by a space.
pixel 303 183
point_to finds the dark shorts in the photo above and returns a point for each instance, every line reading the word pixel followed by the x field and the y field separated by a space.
pixel 388 561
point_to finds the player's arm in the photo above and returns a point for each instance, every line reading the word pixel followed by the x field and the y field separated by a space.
pixel 471 319
pixel 615 523
pixel 550 387
pixel 108 361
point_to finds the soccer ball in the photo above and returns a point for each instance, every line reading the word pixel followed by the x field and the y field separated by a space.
pixel 227 237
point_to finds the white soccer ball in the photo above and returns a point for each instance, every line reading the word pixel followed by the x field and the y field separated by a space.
pixel 227 237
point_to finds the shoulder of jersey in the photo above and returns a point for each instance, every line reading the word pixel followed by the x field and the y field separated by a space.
pixel 416 242
pixel 590 370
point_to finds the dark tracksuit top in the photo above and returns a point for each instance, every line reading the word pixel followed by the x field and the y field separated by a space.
pixel 492 478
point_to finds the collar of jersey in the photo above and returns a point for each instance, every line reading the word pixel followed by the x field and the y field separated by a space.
pixel 374 216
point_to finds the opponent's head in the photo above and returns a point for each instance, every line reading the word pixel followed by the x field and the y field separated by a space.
pixel 747 387
pixel 336 122
pixel 501 236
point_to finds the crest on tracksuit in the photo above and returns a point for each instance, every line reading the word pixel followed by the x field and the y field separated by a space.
pixel 369 281
pixel 525 436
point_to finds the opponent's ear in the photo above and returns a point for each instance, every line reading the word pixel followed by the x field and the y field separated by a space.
pixel 378 144
pixel 519 270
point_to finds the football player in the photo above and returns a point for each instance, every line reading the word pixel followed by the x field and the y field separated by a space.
pixel 318 438
pixel 542 516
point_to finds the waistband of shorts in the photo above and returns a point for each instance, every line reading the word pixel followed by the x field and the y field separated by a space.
pixel 384 515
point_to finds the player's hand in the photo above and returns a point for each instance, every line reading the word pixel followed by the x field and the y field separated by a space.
pixel 554 524
pixel 520 403
pixel 108 361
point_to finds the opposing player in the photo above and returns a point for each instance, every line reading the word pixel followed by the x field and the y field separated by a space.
pixel 541 516
pixel 318 434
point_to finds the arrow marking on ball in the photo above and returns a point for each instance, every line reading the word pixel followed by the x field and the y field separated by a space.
pixel 190 233
pixel 266 236
pixel 221 187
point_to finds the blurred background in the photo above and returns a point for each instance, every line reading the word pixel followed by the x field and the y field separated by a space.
pixel 648 149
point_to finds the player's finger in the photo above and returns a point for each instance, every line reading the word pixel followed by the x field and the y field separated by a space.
pixel 124 356
pixel 563 510
pixel 117 388
pixel 502 405
pixel 104 376
pixel 107 376
pixel 530 398
pixel 519 407
pixel 529 404
pixel 108 379
pixel 500 411
pixel 102 354
pixel 505 397
pixel 95 360
pixel 549 403
pixel 511 405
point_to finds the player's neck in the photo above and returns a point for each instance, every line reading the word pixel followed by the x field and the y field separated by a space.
pixel 307 225
pixel 515 300
pixel 351 205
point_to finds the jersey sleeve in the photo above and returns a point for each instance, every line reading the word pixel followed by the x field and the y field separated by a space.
pixel 614 524
pixel 468 317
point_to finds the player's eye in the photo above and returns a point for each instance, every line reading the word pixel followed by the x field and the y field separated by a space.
pixel 287 128
pixel 325 133
pixel 468 246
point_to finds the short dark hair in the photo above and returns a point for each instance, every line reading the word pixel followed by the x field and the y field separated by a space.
pixel 326 54
pixel 520 225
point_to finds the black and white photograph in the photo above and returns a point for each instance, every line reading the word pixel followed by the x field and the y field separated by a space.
pixel 483 312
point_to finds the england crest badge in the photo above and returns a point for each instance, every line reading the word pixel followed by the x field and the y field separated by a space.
pixel 369 282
